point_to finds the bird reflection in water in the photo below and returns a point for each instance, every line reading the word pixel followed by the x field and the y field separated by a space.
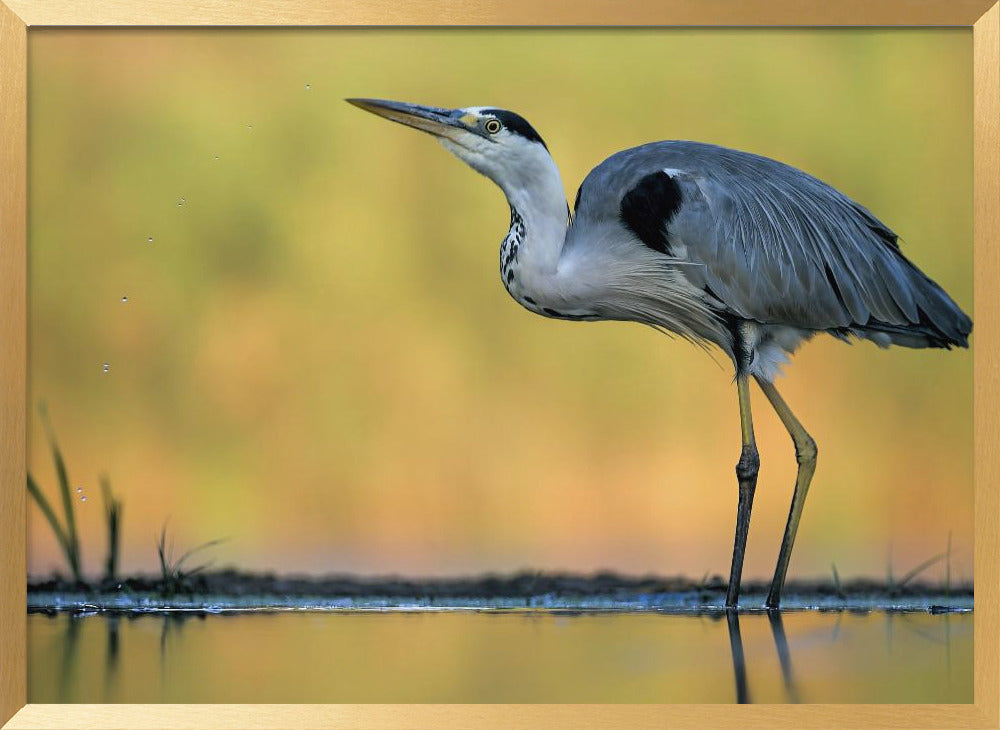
pixel 739 658
pixel 161 649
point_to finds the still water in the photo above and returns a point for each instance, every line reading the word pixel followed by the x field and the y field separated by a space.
pixel 521 657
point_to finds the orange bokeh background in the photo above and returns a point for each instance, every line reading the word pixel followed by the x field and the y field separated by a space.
pixel 316 359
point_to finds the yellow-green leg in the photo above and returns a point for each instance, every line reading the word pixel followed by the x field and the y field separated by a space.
pixel 746 475
pixel 805 455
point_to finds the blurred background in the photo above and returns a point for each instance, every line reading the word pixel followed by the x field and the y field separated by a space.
pixel 273 318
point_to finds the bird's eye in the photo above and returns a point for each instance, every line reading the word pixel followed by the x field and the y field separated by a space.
pixel 492 126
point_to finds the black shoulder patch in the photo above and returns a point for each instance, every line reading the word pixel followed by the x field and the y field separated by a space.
pixel 648 208
pixel 576 203
pixel 517 124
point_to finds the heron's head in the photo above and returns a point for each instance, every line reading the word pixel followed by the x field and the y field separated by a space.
pixel 495 142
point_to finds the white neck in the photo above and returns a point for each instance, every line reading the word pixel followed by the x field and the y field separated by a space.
pixel 528 176
pixel 535 191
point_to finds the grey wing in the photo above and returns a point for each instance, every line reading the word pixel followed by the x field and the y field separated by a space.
pixel 770 243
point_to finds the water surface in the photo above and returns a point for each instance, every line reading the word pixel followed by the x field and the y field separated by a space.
pixel 507 656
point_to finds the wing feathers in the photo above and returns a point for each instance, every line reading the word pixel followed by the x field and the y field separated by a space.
pixel 774 244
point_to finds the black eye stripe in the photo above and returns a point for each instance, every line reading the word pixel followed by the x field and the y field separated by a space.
pixel 515 124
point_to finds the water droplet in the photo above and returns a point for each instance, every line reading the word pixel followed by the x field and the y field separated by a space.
pixel 250 126
pixel 308 86
pixel 105 367
pixel 79 489
pixel 149 240
pixel 216 157
pixel 124 300
pixel 83 498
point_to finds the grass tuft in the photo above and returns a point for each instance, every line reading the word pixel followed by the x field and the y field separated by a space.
pixel 65 532
pixel 43 504
pixel 173 575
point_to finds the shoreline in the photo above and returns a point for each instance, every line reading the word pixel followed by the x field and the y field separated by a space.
pixel 232 590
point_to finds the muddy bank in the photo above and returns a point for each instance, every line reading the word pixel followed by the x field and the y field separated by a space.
pixel 235 590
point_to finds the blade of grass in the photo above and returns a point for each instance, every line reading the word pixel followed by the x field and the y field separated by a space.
pixel 947 568
pixel 161 551
pixel 888 570
pixel 197 549
pixel 836 582
pixel 919 569
pixel 64 490
pixel 199 568
pixel 50 516
pixel 112 516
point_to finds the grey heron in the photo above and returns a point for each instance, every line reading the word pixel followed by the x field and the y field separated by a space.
pixel 718 246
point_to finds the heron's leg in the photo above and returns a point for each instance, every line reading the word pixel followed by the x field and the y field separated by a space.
pixel 746 475
pixel 805 455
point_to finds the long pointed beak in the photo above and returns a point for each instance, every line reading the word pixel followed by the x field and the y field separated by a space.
pixel 438 122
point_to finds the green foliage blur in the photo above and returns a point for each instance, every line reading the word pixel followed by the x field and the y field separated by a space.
pixel 308 349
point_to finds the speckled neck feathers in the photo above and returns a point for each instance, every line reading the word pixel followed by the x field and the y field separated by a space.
pixel 509 248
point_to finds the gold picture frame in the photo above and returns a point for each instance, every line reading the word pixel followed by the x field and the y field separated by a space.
pixel 19 17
